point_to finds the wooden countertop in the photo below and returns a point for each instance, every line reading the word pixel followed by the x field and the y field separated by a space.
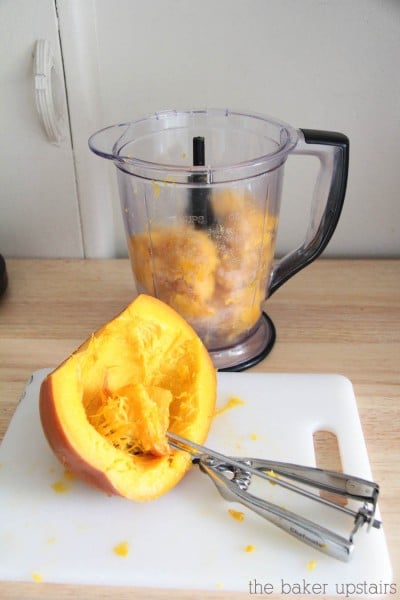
pixel 336 316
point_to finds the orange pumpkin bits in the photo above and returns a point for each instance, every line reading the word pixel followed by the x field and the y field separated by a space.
pixel 106 410
pixel 121 549
pixel 216 279
pixel 177 264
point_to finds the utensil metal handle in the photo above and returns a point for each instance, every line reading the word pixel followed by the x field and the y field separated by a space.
pixel 323 479
pixel 306 531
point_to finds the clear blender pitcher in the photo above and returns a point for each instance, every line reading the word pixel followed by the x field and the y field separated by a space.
pixel 200 194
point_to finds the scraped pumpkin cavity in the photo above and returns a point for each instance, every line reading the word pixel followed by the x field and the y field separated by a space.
pixel 106 410
pixel 134 419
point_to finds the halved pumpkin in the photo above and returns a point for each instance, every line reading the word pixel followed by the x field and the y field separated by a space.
pixel 106 410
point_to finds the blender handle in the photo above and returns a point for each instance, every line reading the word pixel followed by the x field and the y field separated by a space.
pixel 332 149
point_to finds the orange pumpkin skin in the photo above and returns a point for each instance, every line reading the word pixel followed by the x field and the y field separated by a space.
pixel 63 449
pixel 105 409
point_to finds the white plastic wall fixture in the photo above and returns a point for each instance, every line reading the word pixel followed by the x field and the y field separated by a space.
pixel 48 92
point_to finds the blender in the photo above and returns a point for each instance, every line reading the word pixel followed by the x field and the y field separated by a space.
pixel 200 193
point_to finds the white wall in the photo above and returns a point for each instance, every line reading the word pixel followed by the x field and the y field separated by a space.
pixel 39 209
pixel 327 64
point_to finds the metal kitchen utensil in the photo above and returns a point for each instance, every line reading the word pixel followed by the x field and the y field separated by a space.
pixel 232 477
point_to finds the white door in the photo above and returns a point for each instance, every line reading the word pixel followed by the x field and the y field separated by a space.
pixel 39 209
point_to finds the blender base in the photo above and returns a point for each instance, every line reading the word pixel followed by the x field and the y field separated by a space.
pixel 249 353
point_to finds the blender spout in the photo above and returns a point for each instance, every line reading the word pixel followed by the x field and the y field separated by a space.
pixel 110 141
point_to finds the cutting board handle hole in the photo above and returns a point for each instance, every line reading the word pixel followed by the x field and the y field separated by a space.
pixel 327 456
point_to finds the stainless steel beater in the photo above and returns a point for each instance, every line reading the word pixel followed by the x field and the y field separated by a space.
pixel 232 477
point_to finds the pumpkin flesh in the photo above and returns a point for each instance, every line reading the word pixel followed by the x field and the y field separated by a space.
pixel 217 280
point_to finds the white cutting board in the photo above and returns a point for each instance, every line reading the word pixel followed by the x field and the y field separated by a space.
pixel 187 538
